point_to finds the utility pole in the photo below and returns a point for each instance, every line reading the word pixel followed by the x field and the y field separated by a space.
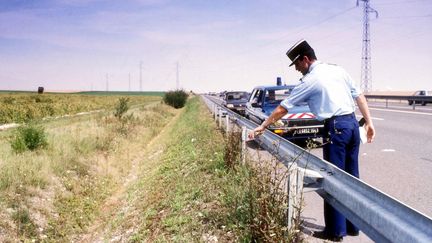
pixel 177 78
pixel 366 72
pixel 140 84
pixel 106 83
pixel 129 89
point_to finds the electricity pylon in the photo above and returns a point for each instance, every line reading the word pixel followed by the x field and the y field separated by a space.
pixel 366 72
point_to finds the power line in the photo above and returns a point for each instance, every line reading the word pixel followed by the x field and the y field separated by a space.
pixel 177 77
pixel 401 2
pixel 411 16
pixel 283 38
pixel 107 83
pixel 129 87
pixel 140 80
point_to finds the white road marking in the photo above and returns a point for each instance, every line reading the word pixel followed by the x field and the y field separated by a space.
pixel 388 150
pixel 407 112
pixel 405 107
pixel 373 118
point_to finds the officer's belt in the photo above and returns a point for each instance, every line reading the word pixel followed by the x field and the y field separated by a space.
pixel 338 117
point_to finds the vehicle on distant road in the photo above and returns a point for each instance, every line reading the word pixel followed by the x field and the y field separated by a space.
pixel 420 93
pixel 298 126
pixel 236 101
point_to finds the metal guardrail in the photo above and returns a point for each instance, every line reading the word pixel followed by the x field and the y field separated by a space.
pixel 378 215
pixel 415 99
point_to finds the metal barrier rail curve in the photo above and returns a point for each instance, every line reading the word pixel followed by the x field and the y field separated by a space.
pixel 378 215
pixel 414 99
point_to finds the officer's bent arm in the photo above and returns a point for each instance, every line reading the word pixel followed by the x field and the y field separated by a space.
pixel 277 114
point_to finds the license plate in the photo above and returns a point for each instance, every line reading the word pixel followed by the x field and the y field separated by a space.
pixel 307 130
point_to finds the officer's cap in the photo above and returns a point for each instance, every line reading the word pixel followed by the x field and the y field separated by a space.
pixel 299 49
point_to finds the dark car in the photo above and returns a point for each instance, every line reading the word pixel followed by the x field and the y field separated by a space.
pixel 420 94
pixel 298 125
pixel 236 101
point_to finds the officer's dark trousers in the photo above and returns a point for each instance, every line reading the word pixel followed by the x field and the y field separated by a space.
pixel 342 142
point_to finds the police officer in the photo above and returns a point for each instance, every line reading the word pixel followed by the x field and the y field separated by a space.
pixel 330 93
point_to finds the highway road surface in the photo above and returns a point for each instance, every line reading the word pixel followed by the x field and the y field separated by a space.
pixel 399 161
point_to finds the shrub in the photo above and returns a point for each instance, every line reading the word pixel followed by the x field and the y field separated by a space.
pixel 24 222
pixel 176 99
pixel 29 137
pixel 121 108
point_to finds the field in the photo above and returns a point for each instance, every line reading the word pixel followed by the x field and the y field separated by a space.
pixel 18 107
pixel 150 173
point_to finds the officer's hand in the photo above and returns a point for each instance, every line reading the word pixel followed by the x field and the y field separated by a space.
pixel 370 132
pixel 256 132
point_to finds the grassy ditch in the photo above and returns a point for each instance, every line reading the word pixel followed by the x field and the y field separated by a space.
pixel 197 191
pixel 54 193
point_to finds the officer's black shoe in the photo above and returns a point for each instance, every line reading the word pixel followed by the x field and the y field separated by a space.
pixel 353 233
pixel 325 236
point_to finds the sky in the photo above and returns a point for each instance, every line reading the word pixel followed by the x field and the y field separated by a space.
pixel 206 45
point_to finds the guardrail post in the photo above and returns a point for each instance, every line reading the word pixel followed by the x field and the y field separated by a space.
pixel 215 111
pixel 291 191
pixel 295 190
pixel 227 119
pixel 220 118
pixel 243 144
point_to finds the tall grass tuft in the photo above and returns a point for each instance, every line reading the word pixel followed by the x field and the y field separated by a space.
pixel 25 225
pixel 268 204
pixel 29 137
pixel 261 204
pixel 176 99
pixel 232 149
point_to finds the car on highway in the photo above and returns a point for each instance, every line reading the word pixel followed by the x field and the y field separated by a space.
pixel 236 101
pixel 298 126
pixel 420 94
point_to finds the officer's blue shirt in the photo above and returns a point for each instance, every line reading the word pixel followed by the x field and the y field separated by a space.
pixel 328 90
